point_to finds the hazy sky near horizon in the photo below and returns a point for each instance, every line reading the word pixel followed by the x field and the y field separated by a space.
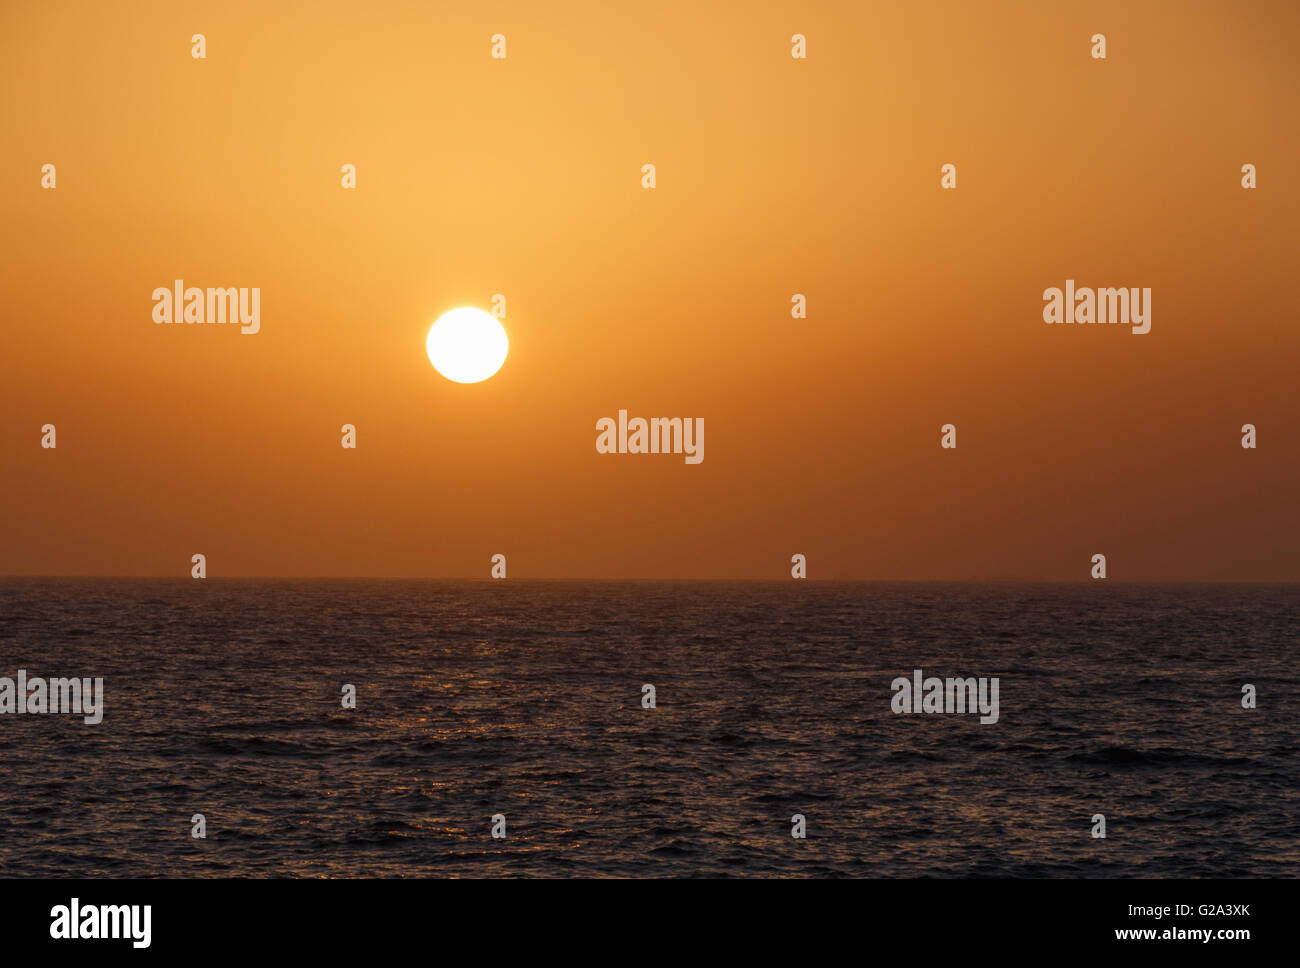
pixel 775 176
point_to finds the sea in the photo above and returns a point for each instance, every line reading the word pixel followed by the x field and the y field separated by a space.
pixel 521 706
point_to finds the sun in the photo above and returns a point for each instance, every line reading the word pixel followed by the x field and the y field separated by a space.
pixel 467 345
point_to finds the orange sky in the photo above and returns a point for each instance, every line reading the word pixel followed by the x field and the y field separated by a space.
pixel 775 176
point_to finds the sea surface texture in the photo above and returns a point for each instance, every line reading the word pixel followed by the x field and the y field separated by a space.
pixel 773 699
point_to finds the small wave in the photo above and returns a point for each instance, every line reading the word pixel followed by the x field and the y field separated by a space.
pixel 1130 756
pixel 260 746
pixel 913 756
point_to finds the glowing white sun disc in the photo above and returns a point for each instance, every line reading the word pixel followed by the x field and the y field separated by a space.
pixel 467 345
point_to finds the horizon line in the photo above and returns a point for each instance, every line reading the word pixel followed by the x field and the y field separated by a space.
pixel 827 581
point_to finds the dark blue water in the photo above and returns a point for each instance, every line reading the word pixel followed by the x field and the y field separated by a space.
pixel 524 698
